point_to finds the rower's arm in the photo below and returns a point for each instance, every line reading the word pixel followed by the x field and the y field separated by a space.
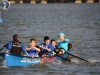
pixel 28 48
pixel 8 45
pixel 48 49
pixel 23 48
pixel 37 49
pixel 67 40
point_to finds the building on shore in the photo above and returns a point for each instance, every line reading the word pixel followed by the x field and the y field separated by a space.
pixel 54 1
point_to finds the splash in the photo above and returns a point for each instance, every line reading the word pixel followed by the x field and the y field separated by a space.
pixel 94 61
pixel 3 65
pixel 91 61
pixel 57 62
pixel 76 61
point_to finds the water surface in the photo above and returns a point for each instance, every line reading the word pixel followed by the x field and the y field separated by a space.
pixel 79 22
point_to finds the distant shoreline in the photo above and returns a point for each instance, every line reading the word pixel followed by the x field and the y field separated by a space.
pixel 44 2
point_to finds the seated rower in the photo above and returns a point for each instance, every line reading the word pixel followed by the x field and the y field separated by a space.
pixel 56 49
pixel 33 50
pixel 53 42
pixel 16 46
pixel 46 47
pixel 62 43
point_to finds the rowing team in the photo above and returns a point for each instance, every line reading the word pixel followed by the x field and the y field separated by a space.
pixel 44 49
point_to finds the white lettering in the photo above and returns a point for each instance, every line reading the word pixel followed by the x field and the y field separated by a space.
pixel 29 60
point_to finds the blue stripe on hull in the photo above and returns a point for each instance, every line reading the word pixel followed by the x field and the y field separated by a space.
pixel 15 60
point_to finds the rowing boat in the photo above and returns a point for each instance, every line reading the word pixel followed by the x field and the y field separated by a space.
pixel 16 60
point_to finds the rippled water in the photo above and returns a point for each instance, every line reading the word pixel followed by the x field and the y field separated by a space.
pixel 80 23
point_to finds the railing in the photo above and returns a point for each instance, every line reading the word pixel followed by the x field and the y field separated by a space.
pixel 54 1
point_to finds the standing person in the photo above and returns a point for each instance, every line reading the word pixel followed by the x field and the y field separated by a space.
pixel 62 42
pixel 46 47
pixel 5 4
pixel 16 46
pixel 33 50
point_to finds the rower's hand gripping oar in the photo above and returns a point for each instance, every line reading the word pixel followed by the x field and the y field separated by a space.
pixel 1 50
pixel 3 47
pixel 77 57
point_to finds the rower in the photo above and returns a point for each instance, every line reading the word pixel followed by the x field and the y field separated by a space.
pixel 54 43
pixel 33 50
pixel 62 42
pixel 58 50
pixel 16 46
pixel 46 47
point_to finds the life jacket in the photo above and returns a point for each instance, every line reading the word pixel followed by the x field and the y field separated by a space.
pixel 16 48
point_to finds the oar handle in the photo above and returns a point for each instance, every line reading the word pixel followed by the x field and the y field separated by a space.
pixel 2 48
pixel 77 57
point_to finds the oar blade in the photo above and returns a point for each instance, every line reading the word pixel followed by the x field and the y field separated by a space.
pixel 77 57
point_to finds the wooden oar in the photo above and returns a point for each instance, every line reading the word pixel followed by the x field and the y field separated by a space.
pixel 69 47
pixel 76 56
pixel 1 54
pixel 2 48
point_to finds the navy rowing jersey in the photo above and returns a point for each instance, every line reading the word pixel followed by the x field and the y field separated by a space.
pixel 50 46
pixel 33 52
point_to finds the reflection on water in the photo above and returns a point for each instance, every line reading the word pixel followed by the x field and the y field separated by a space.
pixel 80 23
